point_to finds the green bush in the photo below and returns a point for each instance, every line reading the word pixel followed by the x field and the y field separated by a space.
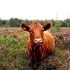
pixel 56 27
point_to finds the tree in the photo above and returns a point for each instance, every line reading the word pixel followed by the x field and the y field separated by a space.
pixel 67 21
pixel 15 22
pixel 57 25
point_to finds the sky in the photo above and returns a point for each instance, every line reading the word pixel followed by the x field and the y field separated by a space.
pixel 35 9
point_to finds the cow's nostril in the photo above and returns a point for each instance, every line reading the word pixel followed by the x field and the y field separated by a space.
pixel 35 41
pixel 38 41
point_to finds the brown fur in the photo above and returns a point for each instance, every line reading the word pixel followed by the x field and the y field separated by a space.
pixel 36 29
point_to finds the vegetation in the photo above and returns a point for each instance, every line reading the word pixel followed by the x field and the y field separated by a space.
pixel 13 54
pixel 15 22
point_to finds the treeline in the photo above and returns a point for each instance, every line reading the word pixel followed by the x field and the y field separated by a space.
pixel 15 22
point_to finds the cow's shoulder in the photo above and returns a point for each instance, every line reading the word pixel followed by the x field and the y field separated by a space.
pixel 47 34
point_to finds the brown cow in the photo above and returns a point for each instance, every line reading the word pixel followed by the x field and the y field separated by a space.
pixel 40 42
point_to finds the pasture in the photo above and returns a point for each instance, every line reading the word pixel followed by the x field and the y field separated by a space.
pixel 13 54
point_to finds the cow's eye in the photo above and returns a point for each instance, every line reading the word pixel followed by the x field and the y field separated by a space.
pixel 30 31
pixel 42 29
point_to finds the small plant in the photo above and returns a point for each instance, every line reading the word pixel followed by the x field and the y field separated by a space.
pixel 56 27
pixel 59 36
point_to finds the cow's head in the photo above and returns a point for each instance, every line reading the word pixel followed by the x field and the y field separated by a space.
pixel 36 31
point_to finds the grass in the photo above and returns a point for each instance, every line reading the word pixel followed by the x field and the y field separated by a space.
pixel 13 54
pixel 13 49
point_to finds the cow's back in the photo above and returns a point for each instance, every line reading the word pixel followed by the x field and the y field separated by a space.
pixel 49 41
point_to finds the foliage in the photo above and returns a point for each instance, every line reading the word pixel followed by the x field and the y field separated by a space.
pixel 15 22
pixel 57 26
pixel 13 54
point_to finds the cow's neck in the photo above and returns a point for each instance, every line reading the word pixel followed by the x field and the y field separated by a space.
pixel 35 48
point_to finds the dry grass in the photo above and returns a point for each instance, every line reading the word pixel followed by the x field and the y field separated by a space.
pixel 13 55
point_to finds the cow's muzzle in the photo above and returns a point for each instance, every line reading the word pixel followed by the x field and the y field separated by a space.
pixel 38 41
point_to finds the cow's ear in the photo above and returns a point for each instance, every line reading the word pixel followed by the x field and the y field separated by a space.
pixel 24 26
pixel 47 26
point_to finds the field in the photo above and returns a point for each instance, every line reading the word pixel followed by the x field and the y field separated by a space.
pixel 13 54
